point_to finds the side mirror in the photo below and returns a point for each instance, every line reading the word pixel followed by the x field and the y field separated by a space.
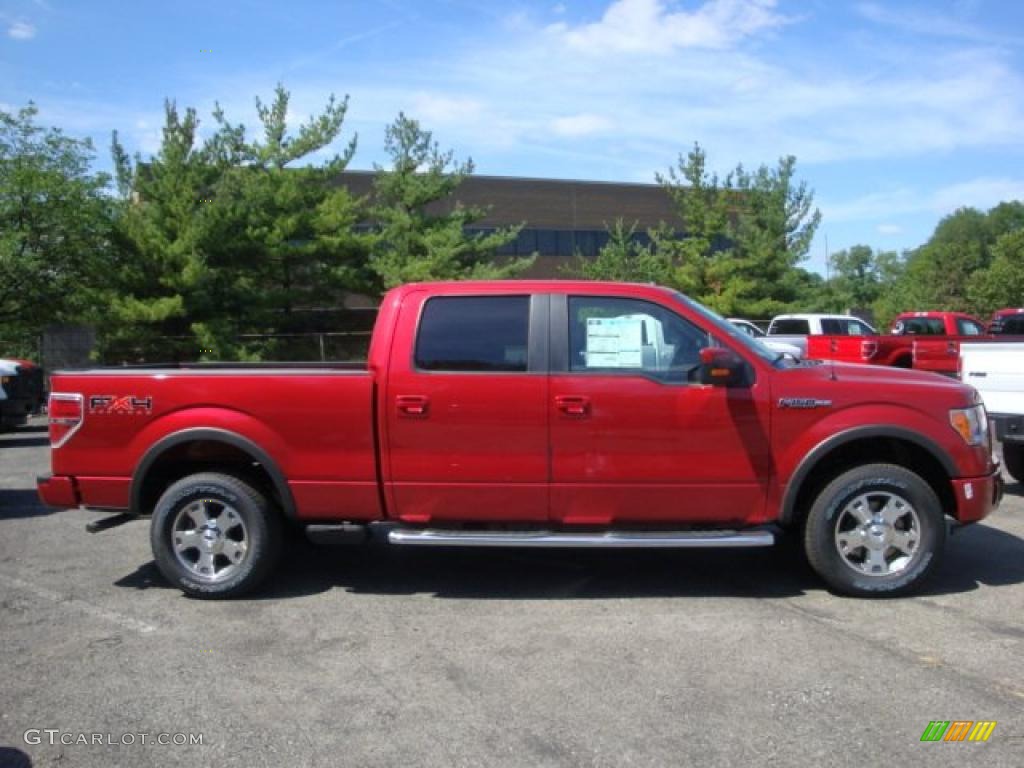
pixel 722 367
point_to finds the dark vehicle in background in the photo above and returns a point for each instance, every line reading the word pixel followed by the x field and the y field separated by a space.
pixel 1007 322
pixel 24 392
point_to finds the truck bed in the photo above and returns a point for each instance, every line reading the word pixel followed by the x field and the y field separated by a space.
pixel 314 421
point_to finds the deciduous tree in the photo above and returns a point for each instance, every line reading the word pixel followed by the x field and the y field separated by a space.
pixel 54 227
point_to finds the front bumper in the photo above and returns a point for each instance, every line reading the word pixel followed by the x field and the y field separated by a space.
pixel 977 497
pixel 58 491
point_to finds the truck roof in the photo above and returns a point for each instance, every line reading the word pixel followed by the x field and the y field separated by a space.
pixel 525 286
pixel 936 313
pixel 815 316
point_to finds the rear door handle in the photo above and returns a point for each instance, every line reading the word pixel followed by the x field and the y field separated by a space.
pixel 412 405
pixel 573 405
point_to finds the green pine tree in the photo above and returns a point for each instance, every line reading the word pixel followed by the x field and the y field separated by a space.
pixel 420 227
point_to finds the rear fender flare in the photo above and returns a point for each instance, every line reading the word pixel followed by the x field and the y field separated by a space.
pixel 211 434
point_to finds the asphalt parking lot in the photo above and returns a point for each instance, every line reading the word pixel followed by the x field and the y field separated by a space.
pixel 373 656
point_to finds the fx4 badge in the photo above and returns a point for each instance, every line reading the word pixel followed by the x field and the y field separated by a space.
pixel 803 402
pixel 125 405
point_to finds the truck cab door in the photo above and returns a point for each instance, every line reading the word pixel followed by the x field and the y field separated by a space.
pixel 635 438
pixel 465 424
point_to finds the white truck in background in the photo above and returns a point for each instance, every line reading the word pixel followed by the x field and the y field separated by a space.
pixel 754 332
pixel 794 329
pixel 996 370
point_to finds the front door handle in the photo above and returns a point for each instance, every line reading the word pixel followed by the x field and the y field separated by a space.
pixel 413 405
pixel 577 406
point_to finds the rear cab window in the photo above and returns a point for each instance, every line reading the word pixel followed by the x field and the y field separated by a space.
pixel 921 326
pixel 966 327
pixel 789 326
pixel 474 333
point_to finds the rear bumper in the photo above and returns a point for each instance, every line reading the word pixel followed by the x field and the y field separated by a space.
pixel 58 491
pixel 977 497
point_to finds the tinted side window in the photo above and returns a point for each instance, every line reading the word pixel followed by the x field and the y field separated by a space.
pixel 831 327
pixel 474 333
pixel 1013 324
pixel 857 328
pixel 968 327
pixel 921 326
pixel 791 326
pixel 614 335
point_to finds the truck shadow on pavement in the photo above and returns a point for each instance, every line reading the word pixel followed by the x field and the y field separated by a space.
pixel 976 555
pixel 25 441
pixel 14 758
pixel 21 503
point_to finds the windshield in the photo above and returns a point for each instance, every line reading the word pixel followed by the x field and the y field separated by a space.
pixel 724 328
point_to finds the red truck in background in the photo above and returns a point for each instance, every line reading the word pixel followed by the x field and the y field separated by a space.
pixel 1007 322
pixel 899 347
pixel 942 355
pixel 531 414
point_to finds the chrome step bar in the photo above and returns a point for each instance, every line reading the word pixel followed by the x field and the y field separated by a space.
pixel 437 537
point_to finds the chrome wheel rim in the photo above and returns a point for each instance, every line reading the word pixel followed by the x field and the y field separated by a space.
pixel 210 540
pixel 878 534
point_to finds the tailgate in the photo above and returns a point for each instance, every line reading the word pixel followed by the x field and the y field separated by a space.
pixel 849 349
pixel 996 370
pixel 937 355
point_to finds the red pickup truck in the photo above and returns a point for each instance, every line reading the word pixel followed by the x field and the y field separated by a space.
pixel 902 347
pixel 942 355
pixel 531 414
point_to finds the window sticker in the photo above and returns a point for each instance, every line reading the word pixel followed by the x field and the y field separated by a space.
pixel 614 342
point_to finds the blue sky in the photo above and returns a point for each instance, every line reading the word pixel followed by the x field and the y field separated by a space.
pixel 898 112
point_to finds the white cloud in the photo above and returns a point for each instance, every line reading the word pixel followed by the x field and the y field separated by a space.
pixel 21 30
pixel 982 193
pixel 648 26
pixel 924 21
pixel 889 229
pixel 439 109
pixel 580 125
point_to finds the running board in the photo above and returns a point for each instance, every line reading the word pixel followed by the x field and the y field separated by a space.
pixel 436 537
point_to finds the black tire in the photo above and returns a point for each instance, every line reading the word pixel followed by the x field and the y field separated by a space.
pixel 238 513
pixel 919 523
pixel 1013 458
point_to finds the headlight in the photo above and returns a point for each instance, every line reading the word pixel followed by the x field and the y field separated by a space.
pixel 971 424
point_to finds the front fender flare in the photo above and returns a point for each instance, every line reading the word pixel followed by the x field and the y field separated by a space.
pixel 822 449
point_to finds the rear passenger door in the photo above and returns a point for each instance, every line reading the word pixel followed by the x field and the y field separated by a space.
pixel 466 403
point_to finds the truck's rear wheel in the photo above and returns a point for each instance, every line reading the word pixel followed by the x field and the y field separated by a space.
pixel 878 529
pixel 214 535
pixel 1013 457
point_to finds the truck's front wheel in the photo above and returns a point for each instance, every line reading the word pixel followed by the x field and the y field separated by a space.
pixel 1013 456
pixel 878 529
pixel 214 535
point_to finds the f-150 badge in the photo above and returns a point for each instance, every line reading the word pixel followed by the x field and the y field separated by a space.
pixel 124 405
pixel 803 402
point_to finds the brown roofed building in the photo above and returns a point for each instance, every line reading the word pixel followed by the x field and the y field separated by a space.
pixel 560 217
